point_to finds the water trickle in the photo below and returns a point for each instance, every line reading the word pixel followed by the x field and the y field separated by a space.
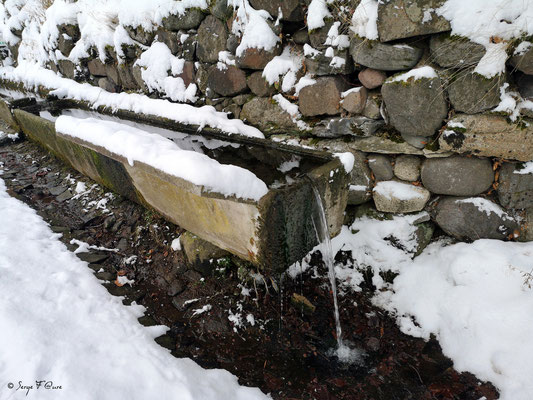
pixel 322 232
pixel 345 353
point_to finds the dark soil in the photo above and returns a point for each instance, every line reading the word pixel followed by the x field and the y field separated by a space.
pixel 285 351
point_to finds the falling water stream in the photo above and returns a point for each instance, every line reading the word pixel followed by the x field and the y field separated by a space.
pixel 343 352
pixel 322 233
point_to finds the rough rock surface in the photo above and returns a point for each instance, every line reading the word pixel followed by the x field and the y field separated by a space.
pixel 268 116
pixel 189 20
pixel 515 190
pixel 381 167
pixel 382 56
pixel 455 51
pixel 472 93
pixel 259 85
pixel 407 168
pixel 415 107
pixel 524 61
pixel 399 19
pixel 457 175
pixel 227 82
pixel 489 136
pixel 323 97
pixel 463 218
pixel 212 37
pixel 253 58
pixel 200 252
pixel 397 197
pixel 355 101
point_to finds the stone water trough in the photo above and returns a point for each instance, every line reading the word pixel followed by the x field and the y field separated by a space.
pixel 272 233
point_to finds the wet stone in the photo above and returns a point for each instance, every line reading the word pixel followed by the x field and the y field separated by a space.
pixel 105 276
pixel 92 257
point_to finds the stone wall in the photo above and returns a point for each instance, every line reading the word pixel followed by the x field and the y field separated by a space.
pixel 409 106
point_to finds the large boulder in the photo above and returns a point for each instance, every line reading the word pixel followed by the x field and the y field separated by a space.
pixel 254 58
pixel 522 58
pixel 323 97
pixel 457 175
pixel 472 93
pixel 472 218
pixel 212 37
pixel 291 10
pixel 399 197
pixel 382 56
pixel 268 116
pixel 516 186
pixel 190 19
pixel 455 51
pixel 488 136
pixel 227 81
pixel 415 102
pixel 399 19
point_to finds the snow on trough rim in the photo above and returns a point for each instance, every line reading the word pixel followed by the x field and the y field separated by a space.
pixel 137 145
pixel 32 76
pixel 60 324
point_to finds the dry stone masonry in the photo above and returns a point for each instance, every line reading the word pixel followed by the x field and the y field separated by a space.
pixel 428 128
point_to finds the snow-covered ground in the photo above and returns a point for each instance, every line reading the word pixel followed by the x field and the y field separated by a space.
pixel 477 299
pixel 60 325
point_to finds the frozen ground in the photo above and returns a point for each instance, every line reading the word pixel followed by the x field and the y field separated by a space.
pixel 60 325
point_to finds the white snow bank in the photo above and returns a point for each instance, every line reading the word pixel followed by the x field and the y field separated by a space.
pixel 425 72
pixel 155 63
pixel 398 190
pixel 59 324
pixel 477 300
pixel 32 76
pixel 137 145
pixel 364 19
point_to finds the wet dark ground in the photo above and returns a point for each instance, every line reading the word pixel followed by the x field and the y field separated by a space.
pixel 283 348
